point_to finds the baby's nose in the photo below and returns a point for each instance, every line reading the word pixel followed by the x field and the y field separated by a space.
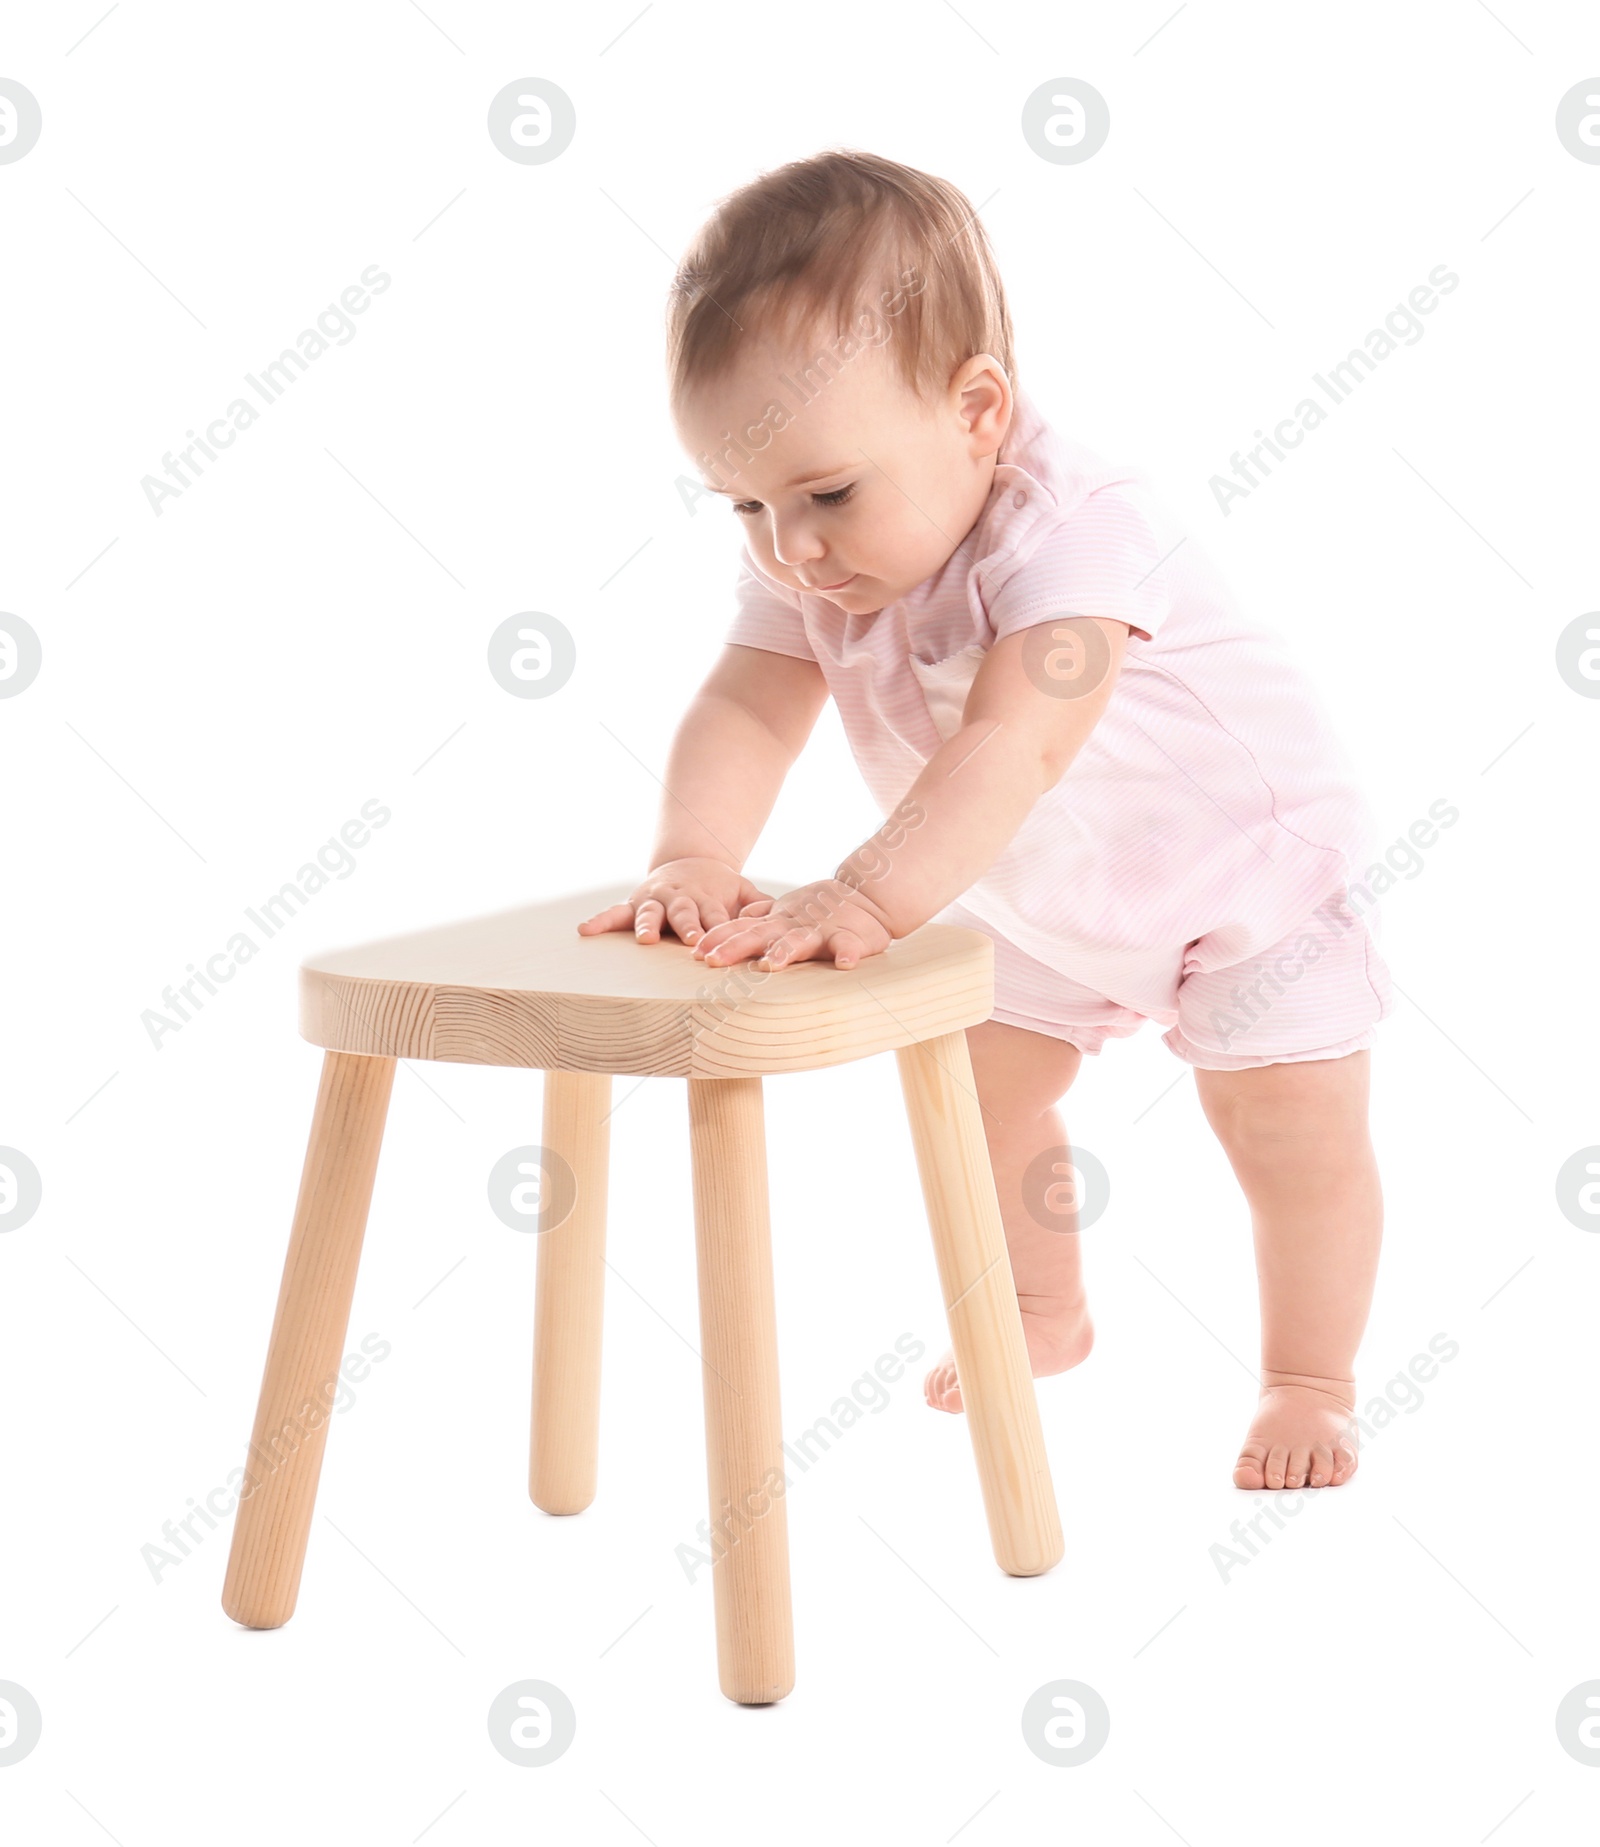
pixel 795 544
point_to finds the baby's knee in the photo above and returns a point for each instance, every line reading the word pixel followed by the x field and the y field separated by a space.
pixel 1020 1076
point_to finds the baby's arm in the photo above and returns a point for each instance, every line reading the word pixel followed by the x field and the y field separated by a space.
pixel 1015 742
pixel 732 750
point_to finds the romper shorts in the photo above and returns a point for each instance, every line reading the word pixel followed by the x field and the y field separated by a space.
pixel 1319 992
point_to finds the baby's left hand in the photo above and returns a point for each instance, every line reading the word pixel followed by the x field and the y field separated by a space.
pixel 810 923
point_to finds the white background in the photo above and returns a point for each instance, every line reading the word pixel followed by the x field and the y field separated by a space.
pixel 305 628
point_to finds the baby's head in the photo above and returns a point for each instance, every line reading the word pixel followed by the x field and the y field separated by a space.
pixel 840 368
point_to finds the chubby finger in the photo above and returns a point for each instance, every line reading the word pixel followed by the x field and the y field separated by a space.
pixel 684 916
pixel 792 946
pixel 738 944
pixel 614 917
pixel 845 947
pixel 647 920
pixel 719 933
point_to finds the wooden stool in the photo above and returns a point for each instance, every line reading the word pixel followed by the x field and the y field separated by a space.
pixel 523 988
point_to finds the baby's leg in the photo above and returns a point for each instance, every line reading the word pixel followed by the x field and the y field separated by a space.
pixel 1296 1135
pixel 1019 1076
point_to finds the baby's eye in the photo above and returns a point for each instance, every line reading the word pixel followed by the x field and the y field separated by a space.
pixel 835 497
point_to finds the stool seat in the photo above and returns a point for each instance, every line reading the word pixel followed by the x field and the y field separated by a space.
pixel 522 987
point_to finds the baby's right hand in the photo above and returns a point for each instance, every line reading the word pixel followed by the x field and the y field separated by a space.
pixel 691 895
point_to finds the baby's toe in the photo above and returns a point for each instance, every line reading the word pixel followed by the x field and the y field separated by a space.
pixel 1249 1470
pixel 1321 1465
pixel 941 1388
pixel 1298 1471
pixel 1277 1462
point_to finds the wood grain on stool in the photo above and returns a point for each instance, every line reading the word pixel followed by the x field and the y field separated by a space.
pixel 523 988
pixel 300 1380
pixel 739 1353
pixel 997 1391
pixel 564 1444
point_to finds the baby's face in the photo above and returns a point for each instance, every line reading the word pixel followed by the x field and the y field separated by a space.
pixel 865 490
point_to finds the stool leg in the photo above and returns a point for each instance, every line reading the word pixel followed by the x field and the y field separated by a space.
pixel 981 1303
pixel 308 1333
pixel 564 1441
pixel 739 1346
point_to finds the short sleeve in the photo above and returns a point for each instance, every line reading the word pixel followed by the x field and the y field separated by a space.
pixel 1102 559
pixel 768 614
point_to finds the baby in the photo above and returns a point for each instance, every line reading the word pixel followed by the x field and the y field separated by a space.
pixel 1084 749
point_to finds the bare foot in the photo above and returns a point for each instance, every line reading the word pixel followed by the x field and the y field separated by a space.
pixel 1057 1336
pixel 1303 1434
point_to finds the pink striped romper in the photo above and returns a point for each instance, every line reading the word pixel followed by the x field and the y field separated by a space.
pixel 1194 864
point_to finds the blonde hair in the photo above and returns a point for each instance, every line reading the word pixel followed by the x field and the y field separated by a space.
pixel 841 238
